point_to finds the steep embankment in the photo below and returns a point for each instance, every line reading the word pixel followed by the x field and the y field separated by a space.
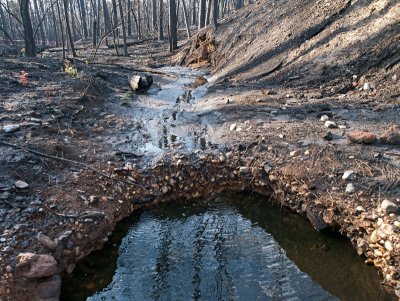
pixel 305 43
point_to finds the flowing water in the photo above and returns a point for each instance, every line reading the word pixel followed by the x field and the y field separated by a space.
pixel 236 247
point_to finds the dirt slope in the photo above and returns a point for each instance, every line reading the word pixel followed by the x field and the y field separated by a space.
pixel 305 43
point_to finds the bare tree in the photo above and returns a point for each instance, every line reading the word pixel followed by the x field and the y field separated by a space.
pixel 161 21
pixel 202 13
pixel 173 34
pixel 121 12
pixel 30 46
pixel 68 28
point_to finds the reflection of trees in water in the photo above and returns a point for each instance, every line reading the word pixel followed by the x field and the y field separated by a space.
pixel 164 263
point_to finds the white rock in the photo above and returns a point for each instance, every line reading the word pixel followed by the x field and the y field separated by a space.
pixel 293 153
pixel 244 169
pixel 397 224
pixel 348 174
pixel 233 127
pixel 21 184
pixel 324 118
pixel 374 237
pixel 342 127
pixel 388 246
pixel 360 209
pixel 350 188
pixel 330 125
pixel 10 128
pixel 389 207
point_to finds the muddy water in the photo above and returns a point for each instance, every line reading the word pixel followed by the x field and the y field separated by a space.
pixel 236 247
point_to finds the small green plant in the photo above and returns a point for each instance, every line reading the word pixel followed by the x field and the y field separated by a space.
pixel 126 99
pixel 71 70
pixel 23 52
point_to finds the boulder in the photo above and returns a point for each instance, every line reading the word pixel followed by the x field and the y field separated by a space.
pixel 31 265
pixel 362 137
pixel 141 83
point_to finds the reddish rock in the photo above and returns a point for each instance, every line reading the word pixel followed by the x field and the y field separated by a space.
pixel 362 137
pixel 391 137
pixel 30 265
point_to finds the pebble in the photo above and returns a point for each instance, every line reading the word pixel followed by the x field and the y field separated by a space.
pixel 10 128
pixel 350 188
pixel 244 169
pixel 348 174
pixel 233 127
pixel 397 224
pixel 328 136
pixel 293 153
pixel 47 241
pixel 360 209
pixel 324 118
pixel 21 184
pixel 388 246
pixel 366 86
pixel 389 207
pixel 330 125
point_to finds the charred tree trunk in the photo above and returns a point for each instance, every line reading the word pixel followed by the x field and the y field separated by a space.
pixel 161 22
pixel 83 15
pixel 215 13
pixel 30 46
pixel 61 28
pixel 41 29
pixel 194 15
pixel 154 14
pixel 185 15
pixel 129 17
pixel 121 12
pixel 68 28
pixel 202 13
pixel 173 34
pixel 55 29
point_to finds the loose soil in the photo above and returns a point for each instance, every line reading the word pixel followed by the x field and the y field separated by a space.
pixel 86 144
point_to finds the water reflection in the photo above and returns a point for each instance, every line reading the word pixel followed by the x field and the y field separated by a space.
pixel 221 251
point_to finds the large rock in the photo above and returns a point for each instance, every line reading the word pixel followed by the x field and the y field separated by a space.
pixel 30 265
pixel 141 83
pixel 391 137
pixel 362 137
pixel 49 289
pixel 389 207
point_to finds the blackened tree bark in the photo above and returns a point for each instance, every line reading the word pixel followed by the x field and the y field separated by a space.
pixel 30 47
pixel 61 28
pixel 154 14
pixel 83 15
pixel 129 17
pixel 173 34
pixel 161 21
pixel 215 13
pixel 55 29
pixel 3 23
pixel 68 28
pixel 121 12
pixel 38 18
pixel 194 15
pixel 202 13
pixel 185 15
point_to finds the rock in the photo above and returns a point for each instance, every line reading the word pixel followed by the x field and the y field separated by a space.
pixel 141 83
pixel 389 207
pixel 362 137
pixel 360 209
pixel 21 184
pixel 396 224
pixel 244 169
pixel 391 137
pixel 348 174
pixel 49 290
pixel 47 241
pixel 374 237
pixel 350 188
pixel 324 118
pixel 328 136
pixel 316 220
pixel 366 87
pixel 164 189
pixel 330 125
pixel 388 246
pixel 30 265
pixel 11 128
pixel 233 127
pixel 293 153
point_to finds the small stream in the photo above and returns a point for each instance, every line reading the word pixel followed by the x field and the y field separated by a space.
pixel 235 247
